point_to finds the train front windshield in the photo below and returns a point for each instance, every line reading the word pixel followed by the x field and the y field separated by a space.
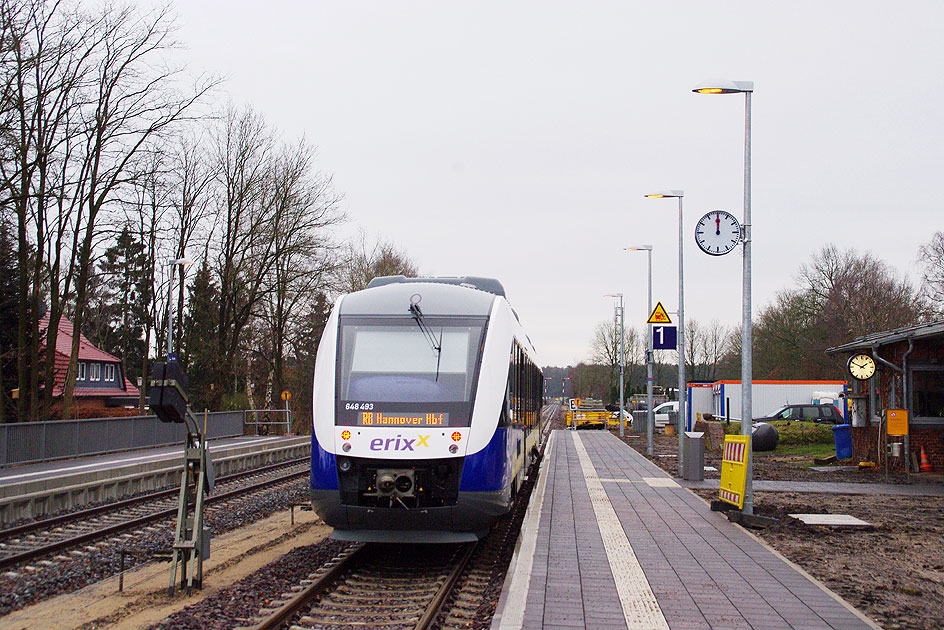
pixel 395 372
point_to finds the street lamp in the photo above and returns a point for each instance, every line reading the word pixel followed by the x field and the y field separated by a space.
pixel 622 423
pixel 649 413
pixel 746 88
pixel 678 194
pixel 183 262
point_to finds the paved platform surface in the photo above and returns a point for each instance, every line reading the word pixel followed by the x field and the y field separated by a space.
pixel 610 541
pixel 116 461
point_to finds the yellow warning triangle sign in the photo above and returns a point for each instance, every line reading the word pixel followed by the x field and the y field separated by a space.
pixel 658 315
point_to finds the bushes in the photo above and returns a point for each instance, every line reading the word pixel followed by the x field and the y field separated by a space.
pixel 803 432
pixel 791 432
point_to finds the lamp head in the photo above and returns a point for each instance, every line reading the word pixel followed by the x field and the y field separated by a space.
pixel 723 86
pixel 666 193
pixel 638 248
pixel 180 261
pixel 614 295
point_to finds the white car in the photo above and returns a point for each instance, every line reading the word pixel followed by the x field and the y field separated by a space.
pixel 661 413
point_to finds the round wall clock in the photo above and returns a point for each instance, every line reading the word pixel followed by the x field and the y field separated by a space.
pixel 717 233
pixel 861 367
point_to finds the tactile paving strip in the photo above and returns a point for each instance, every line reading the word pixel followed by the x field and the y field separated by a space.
pixel 640 608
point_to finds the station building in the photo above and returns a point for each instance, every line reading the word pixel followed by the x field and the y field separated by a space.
pixel 909 376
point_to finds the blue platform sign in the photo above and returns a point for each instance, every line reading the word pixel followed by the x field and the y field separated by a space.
pixel 664 337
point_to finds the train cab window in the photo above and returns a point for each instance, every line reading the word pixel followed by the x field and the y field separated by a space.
pixel 397 362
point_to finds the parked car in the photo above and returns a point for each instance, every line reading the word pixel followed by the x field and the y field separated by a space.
pixel 824 414
pixel 661 413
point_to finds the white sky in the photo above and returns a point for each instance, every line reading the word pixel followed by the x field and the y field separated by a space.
pixel 516 139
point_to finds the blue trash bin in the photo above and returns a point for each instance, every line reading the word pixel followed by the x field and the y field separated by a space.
pixel 842 435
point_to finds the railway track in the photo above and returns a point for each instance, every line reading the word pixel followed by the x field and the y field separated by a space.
pixel 394 587
pixel 405 587
pixel 53 535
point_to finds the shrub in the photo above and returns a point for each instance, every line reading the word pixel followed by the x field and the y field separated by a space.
pixel 803 432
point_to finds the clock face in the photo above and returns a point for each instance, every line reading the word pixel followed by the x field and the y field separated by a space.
pixel 861 366
pixel 717 233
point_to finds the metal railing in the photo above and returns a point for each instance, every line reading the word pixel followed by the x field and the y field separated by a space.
pixel 280 421
pixel 25 442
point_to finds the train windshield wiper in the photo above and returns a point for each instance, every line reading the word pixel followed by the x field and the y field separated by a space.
pixel 420 320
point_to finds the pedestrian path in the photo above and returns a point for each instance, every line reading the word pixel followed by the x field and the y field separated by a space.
pixel 832 487
pixel 610 541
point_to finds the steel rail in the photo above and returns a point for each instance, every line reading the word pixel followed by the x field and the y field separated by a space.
pixel 30 554
pixel 293 607
pixel 78 515
pixel 432 610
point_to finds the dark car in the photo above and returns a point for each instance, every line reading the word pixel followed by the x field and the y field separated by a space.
pixel 824 414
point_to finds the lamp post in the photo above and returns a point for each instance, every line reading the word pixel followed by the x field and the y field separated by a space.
pixel 649 413
pixel 746 88
pixel 183 262
pixel 678 194
pixel 622 423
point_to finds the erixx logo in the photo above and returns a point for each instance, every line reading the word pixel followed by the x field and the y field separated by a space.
pixel 398 443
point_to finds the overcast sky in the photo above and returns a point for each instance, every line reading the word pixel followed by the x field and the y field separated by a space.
pixel 517 139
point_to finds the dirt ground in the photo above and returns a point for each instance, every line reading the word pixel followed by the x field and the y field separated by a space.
pixel 892 572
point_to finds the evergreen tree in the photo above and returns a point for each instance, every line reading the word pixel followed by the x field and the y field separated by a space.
pixel 116 319
pixel 198 350
pixel 302 363
pixel 8 323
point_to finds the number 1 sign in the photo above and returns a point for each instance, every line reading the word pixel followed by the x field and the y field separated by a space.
pixel 664 337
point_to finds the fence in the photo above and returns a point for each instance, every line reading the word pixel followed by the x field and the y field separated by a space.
pixel 268 421
pixel 25 442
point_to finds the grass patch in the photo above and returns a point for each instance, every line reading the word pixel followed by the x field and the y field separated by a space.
pixel 803 450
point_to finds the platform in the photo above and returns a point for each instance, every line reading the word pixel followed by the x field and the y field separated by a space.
pixel 611 541
pixel 42 488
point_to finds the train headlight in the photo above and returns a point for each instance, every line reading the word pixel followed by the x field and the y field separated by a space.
pixel 345 435
pixel 456 436
pixel 346 447
pixel 453 448
pixel 344 465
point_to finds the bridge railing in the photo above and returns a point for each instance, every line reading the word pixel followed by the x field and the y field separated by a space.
pixel 25 442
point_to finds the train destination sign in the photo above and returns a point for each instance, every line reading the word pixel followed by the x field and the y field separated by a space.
pixel 378 419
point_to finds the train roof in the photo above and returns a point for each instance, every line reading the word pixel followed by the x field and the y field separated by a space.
pixel 489 285
pixel 435 298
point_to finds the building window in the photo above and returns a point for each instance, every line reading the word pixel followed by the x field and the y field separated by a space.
pixel 95 371
pixel 81 376
pixel 928 392
pixel 109 372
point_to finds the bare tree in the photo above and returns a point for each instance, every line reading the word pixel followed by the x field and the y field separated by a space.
pixel 366 261
pixel 305 206
pixel 133 103
pixel 931 255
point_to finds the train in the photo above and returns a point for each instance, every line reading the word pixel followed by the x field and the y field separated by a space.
pixel 426 411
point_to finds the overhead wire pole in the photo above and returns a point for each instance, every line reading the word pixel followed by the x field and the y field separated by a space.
pixel 649 353
pixel 618 325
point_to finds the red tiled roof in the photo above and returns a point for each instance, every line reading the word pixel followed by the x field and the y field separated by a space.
pixel 64 342
pixel 87 352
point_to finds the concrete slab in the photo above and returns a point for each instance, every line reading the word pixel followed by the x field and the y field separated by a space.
pixel 832 520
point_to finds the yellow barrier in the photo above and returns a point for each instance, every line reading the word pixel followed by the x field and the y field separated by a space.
pixel 587 416
pixel 734 469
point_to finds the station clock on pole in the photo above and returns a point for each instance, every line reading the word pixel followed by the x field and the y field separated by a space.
pixel 717 233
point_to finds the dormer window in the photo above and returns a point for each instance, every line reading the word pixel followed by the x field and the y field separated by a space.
pixel 81 376
pixel 109 372
pixel 95 372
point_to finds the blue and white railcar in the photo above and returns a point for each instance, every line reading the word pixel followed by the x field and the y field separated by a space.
pixel 427 411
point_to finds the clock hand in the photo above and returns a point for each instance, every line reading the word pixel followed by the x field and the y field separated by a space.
pixel 718 223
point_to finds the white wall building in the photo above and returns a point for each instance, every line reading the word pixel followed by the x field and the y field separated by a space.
pixel 767 396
